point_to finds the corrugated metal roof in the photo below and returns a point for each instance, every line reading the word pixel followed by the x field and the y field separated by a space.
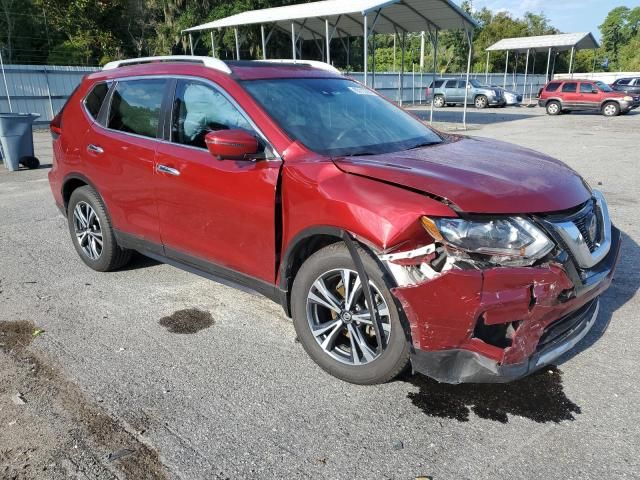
pixel 407 15
pixel 560 42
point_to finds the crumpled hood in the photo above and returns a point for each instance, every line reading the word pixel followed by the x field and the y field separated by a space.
pixel 478 175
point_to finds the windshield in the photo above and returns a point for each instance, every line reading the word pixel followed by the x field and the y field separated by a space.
pixel 339 117
pixel 603 86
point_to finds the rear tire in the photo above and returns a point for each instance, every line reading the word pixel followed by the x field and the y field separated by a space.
pixel 91 232
pixel 611 109
pixel 554 108
pixel 438 101
pixel 350 352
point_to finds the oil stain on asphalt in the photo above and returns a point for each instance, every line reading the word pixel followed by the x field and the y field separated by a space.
pixel 538 397
pixel 188 321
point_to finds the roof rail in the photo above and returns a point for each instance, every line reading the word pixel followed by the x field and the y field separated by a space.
pixel 208 62
pixel 311 63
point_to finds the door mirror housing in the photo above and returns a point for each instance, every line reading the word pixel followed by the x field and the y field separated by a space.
pixel 234 144
pixel 595 90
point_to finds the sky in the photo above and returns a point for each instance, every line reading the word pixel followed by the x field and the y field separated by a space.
pixel 566 15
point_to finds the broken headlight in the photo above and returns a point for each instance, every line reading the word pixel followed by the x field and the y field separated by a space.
pixel 503 241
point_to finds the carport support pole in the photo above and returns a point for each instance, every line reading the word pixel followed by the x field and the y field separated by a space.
pixel 546 78
pixel 366 48
pixel 573 51
pixel 486 70
pixel 328 40
pixel 506 68
pixel 526 70
pixel 235 33
pixel 293 41
pixel 469 35
pixel 404 43
pixel 264 44
pixel 4 78
pixel 435 71
pixel 213 45
pixel 191 43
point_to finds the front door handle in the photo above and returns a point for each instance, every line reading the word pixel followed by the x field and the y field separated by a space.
pixel 91 148
pixel 169 170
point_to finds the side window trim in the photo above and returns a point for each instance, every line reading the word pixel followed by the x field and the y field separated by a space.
pixel 172 83
pixel 167 110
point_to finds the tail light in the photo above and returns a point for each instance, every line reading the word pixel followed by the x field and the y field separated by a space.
pixel 426 91
pixel 56 125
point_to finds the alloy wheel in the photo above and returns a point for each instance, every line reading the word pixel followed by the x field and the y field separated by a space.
pixel 87 229
pixel 610 110
pixel 340 320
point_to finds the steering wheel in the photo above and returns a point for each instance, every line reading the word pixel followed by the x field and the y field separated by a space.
pixel 355 128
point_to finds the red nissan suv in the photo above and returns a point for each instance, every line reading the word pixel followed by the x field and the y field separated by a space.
pixel 387 242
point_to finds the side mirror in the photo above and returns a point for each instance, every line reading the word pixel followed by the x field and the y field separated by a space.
pixel 233 144
pixel 595 90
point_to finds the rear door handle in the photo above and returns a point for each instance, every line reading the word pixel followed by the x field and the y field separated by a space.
pixel 94 149
pixel 169 170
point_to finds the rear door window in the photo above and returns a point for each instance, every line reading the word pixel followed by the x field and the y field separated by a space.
pixel 93 101
pixel 623 81
pixel 437 84
pixel 570 87
pixel 587 88
pixel 552 87
pixel 451 84
pixel 136 106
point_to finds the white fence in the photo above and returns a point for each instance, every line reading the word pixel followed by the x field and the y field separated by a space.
pixel 606 77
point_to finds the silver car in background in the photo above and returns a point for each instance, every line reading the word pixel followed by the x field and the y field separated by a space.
pixel 511 98
pixel 451 91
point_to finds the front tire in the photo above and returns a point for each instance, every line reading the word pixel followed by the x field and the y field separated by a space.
pixel 91 232
pixel 481 102
pixel 332 320
pixel 611 109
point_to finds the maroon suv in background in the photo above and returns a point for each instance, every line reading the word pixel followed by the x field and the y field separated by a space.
pixel 560 96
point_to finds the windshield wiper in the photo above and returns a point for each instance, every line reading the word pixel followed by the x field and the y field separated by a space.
pixel 424 144
pixel 359 154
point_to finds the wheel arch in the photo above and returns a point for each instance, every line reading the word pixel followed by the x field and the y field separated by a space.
pixel 72 182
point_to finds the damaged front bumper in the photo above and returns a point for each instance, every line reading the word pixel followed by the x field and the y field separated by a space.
pixel 502 323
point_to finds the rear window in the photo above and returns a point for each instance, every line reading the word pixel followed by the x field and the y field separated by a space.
pixel 93 101
pixel 552 87
pixel 135 106
pixel 570 87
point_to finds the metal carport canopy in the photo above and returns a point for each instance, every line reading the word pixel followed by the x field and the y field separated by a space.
pixel 396 16
pixel 559 43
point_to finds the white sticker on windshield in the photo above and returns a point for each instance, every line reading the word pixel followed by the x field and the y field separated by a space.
pixel 361 90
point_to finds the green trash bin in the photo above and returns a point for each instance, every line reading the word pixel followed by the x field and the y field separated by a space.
pixel 16 140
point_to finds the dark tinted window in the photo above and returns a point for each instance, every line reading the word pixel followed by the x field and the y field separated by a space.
pixel 438 84
pixel 552 87
pixel 135 106
pixel 623 81
pixel 462 84
pixel 94 100
pixel 199 109
pixel 451 84
pixel 570 87
pixel 587 87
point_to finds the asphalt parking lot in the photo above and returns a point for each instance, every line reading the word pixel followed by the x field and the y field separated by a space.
pixel 239 398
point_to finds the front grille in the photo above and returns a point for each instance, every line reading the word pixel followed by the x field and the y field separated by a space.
pixel 565 326
pixel 584 222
